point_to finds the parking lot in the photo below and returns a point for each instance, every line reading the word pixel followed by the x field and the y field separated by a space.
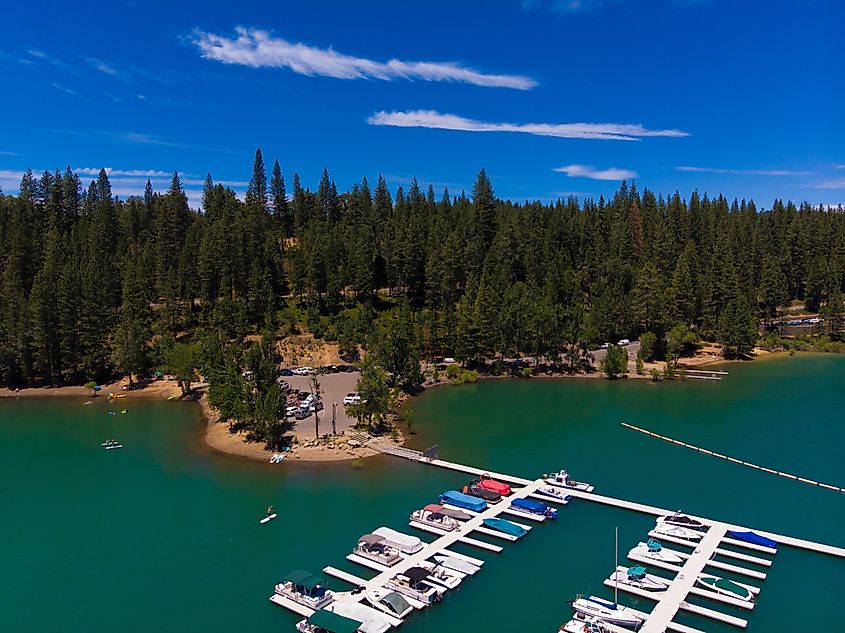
pixel 334 387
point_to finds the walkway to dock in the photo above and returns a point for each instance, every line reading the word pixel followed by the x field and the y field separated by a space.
pixel 741 462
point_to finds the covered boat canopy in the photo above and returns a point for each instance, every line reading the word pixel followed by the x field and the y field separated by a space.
pixel 752 537
pixel 460 515
pixel 503 525
pixel 463 501
pixel 334 623
pixel 495 486
pixel 396 602
pixel 305 579
pixel 531 506
pixel 371 539
pixel 654 546
pixel 729 585
pixel 406 543
pixel 637 571
pixel 417 574
pixel 433 507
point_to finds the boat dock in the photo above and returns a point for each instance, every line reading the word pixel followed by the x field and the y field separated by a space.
pixel 686 580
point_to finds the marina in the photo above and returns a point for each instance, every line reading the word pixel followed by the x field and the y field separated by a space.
pixel 689 578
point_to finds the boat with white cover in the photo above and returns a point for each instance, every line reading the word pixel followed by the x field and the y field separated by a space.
pixel 610 612
pixel 654 550
pixel 403 542
pixel 667 529
pixel 562 478
pixel 682 520
pixel 437 574
pixel 434 516
pixel 458 564
pixel 637 576
pixel 305 588
pixel 391 602
pixel 377 548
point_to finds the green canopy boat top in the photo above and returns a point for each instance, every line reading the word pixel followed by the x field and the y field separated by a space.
pixel 305 579
pixel 728 585
pixel 333 623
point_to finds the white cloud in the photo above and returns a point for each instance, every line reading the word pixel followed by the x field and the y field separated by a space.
pixel 65 90
pixel 102 66
pixel 146 173
pixel 838 183
pixel 433 119
pixel 259 49
pixel 588 171
pixel 743 172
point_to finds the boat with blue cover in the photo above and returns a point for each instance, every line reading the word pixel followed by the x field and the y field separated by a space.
pixel 465 502
pixel 527 506
pixel 752 537
pixel 508 527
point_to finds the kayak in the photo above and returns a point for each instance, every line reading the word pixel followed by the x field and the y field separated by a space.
pixel 268 518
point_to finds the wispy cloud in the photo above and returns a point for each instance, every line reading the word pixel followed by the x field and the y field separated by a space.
pixel 146 173
pixel 563 7
pixel 436 120
pixel 9 154
pixel 65 90
pixel 743 172
pixel 258 49
pixel 836 183
pixel 102 66
pixel 588 171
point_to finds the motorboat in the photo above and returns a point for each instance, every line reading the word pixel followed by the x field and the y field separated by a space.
pixel 414 583
pixel 503 525
pixel 403 542
pixel 448 578
pixel 112 444
pixel 581 623
pixel 454 513
pixel 555 493
pixel 488 483
pixel 389 601
pixel 533 508
pixel 753 537
pixel 475 490
pixel 458 564
pixel 654 550
pixel 562 478
pixel 676 531
pixel 725 587
pixel 682 520
pixel 463 501
pixel 610 612
pixel 377 548
pixel 636 576
pixel 434 516
pixel 305 588
pixel 325 621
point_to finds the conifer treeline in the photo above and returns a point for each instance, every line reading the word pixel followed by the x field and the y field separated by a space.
pixel 92 285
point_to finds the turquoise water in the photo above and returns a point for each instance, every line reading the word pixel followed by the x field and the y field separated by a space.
pixel 164 534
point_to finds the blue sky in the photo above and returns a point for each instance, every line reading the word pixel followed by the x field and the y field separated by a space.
pixel 553 97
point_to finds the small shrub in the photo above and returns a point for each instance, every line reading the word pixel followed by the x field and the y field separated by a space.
pixel 453 372
pixel 526 372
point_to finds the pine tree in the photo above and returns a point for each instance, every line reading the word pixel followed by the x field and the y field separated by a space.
pixel 279 199
pixel 256 192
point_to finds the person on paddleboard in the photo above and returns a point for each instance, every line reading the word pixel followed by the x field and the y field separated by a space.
pixel 269 510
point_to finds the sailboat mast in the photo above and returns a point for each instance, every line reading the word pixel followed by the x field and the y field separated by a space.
pixel 616 570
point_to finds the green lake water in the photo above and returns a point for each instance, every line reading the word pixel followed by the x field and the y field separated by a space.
pixel 163 535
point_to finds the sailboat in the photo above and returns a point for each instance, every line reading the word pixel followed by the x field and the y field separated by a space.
pixel 610 612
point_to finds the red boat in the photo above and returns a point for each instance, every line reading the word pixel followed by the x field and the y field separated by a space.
pixel 496 486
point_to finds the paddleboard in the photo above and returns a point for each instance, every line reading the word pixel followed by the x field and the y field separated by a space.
pixel 268 518
pixel 108 448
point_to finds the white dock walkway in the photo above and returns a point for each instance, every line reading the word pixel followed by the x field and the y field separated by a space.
pixel 782 539
pixel 765 562
pixel 645 560
pixel 344 576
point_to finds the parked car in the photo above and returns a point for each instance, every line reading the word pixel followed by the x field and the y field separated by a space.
pixel 286 371
pixel 303 371
pixel 315 405
pixel 353 397
pixel 291 411
pixel 284 385
pixel 302 413
pixel 623 342
pixel 604 345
